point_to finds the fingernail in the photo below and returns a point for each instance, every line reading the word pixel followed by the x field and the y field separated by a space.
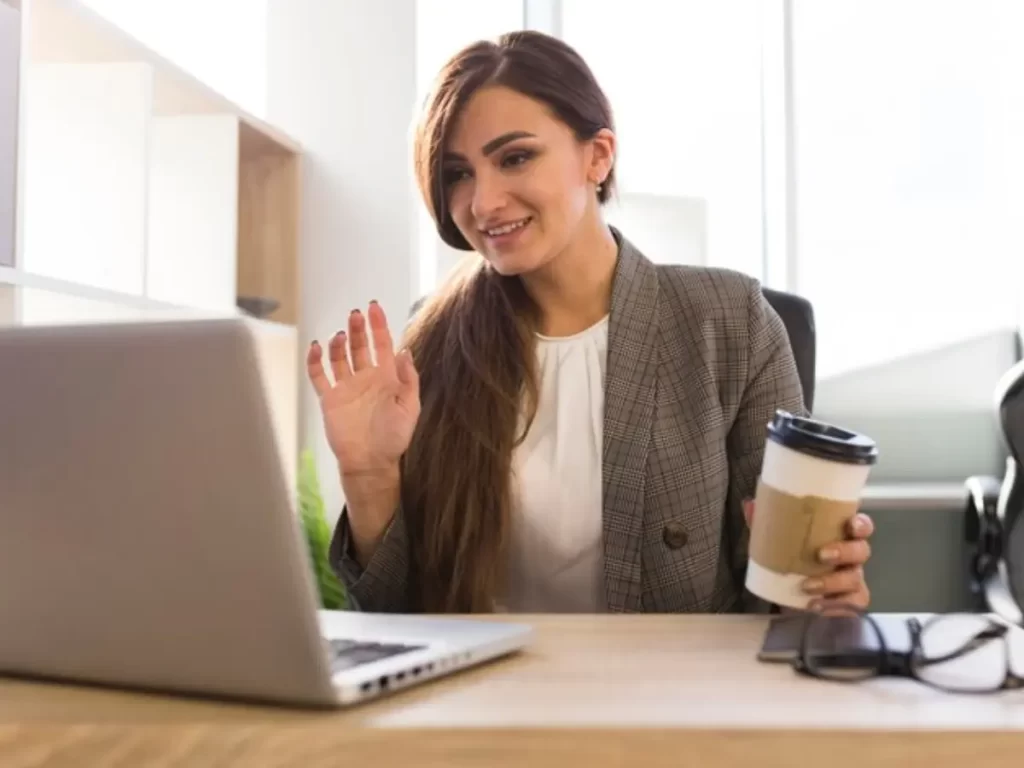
pixel 373 301
pixel 314 343
pixel 812 585
pixel 828 554
pixel 355 311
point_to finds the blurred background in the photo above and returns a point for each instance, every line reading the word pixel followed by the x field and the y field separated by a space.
pixel 160 157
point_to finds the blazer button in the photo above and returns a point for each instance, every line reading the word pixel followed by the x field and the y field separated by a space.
pixel 675 535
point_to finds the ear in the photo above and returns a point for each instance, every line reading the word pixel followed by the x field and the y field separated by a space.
pixel 602 155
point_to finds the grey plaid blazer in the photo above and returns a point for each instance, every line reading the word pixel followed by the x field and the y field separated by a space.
pixel 698 361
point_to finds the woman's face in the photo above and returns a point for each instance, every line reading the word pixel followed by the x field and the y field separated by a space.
pixel 518 181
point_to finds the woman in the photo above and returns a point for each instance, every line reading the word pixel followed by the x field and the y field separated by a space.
pixel 568 426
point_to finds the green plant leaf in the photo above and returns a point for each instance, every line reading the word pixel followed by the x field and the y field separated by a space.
pixel 318 534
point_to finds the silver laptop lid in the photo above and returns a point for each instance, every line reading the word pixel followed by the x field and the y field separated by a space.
pixel 145 529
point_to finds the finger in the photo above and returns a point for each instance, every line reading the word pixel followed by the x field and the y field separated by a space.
pixel 338 352
pixel 861 526
pixel 315 370
pixel 840 582
pixel 861 598
pixel 408 378
pixel 748 511
pixel 382 344
pixel 856 552
pixel 358 342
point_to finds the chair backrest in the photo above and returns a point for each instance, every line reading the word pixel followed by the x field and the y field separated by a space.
pixel 1010 406
pixel 994 521
pixel 797 315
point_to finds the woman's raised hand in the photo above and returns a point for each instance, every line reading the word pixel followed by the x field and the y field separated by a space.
pixel 371 407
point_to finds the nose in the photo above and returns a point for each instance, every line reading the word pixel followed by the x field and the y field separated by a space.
pixel 489 195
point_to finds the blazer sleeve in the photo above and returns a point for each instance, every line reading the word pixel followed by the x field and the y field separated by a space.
pixel 383 586
pixel 772 382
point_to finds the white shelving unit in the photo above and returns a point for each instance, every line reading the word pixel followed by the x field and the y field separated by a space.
pixel 142 193
pixel 10 54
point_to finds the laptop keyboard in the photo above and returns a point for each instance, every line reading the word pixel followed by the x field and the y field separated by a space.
pixel 346 654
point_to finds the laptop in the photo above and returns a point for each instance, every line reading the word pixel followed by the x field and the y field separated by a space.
pixel 149 539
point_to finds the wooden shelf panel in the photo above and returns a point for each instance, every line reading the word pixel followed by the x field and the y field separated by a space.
pixel 268 231
pixel 32 300
pixel 133 305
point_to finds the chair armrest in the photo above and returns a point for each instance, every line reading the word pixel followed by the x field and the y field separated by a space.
pixel 983 530
pixel 986 539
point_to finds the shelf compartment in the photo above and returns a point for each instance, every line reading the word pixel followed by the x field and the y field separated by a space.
pixel 163 187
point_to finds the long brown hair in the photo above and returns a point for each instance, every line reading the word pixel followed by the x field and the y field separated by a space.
pixel 473 341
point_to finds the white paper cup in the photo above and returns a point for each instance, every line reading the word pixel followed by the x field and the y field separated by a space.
pixel 811 481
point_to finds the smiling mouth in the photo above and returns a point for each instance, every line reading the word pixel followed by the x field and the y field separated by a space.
pixel 506 229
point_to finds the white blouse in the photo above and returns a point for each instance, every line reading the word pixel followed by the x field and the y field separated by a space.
pixel 555 555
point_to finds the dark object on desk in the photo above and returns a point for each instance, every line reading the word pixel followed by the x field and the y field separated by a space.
pixel 785 634
pixel 958 652
pixel 797 314
pixel 257 306
pixel 995 506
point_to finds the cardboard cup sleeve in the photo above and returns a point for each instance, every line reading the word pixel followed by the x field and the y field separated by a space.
pixel 788 530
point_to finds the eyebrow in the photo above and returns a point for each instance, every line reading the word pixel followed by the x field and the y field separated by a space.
pixel 496 143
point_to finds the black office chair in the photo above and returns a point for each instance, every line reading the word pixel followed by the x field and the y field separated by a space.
pixel 797 315
pixel 995 506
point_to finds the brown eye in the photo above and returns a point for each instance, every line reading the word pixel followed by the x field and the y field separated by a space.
pixel 453 175
pixel 517 158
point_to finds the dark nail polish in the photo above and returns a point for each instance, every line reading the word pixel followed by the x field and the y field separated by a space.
pixel 373 301
pixel 314 343
pixel 355 312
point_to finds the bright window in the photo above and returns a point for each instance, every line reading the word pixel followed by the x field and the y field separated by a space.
pixel 684 80
pixel 910 173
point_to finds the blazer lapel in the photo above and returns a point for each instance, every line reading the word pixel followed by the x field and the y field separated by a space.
pixel 630 377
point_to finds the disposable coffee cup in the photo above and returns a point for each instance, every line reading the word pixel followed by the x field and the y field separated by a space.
pixel 811 480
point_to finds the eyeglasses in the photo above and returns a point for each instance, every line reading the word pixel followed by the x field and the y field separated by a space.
pixel 959 652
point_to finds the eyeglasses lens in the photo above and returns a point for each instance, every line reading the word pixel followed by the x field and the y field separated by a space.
pixel 963 652
pixel 841 644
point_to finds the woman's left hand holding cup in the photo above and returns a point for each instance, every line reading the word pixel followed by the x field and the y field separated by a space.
pixel 846 583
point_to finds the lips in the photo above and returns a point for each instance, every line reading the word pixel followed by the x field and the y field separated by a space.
pixel 506 228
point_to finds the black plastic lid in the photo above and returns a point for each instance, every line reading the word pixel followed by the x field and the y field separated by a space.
pixel 822 440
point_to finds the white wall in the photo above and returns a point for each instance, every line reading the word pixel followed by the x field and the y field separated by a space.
pixel 8 305
pixel 341 79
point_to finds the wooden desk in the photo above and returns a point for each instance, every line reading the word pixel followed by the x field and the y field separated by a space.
pixel 593 691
